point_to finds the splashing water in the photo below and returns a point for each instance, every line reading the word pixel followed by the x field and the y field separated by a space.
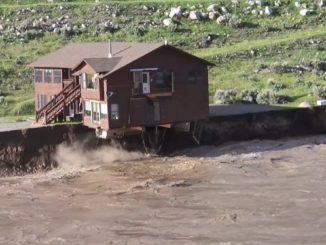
pixel 75 159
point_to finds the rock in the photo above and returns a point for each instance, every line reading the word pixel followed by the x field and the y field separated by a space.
pixel 305 12
pixel 204 16
pixel 213 8
pixel 260 3
pixel 254 12
pixel 268 11
pixel 1 27
pixel 304 104
pixel 224 9
pixel 277 3
pixel 213 15
pixel 222 19
pixel 145 8
pixel 167 22
pixel 322 3
pixel 195 15
pixel 251 2
pixel 176 12
pixel 297 4
pixel 185 14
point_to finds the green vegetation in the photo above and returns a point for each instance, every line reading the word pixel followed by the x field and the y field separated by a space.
pixel 254 56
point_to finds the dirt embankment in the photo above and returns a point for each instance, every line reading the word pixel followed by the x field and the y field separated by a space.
pixel 30 150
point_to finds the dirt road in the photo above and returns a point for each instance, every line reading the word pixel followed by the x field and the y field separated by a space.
pixel 257 192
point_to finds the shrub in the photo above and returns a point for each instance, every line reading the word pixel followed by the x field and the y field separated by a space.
pixel 248 96
pixel 270 97
pixel 277 86
pixel 319 91
pixel 226 96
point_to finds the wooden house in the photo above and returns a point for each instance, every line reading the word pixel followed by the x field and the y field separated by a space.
pixel 121 86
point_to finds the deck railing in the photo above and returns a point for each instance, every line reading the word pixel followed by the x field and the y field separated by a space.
pixel 58 104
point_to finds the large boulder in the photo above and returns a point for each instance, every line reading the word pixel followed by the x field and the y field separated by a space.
pixel 168 22
pixel 213 8
pixel 175 12
pixel 222 19
pixel 322 3
pixel 195 15
pixel 268 11
pixel 305 12
pixel 213 15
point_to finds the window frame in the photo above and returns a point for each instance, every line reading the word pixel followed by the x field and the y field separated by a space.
pixel 48 78
pixel 54 76
pixel 42 75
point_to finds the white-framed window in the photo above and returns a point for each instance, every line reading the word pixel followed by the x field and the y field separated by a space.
pixel 95 112
pixel 90 81
pixel 114 111
pixel 88 108
pixel 104 111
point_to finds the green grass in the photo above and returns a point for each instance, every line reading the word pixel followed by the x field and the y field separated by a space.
pixel 232 70
pixel 244 45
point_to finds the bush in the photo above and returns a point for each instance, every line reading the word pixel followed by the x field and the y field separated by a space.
pixel 226 96
pixel 270 97
pixel 319 91
pixel 248 96
pixel 277 86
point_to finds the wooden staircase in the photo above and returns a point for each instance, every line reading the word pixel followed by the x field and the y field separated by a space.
pixel 58 104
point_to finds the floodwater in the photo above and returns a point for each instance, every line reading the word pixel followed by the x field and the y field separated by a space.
pixel 256 192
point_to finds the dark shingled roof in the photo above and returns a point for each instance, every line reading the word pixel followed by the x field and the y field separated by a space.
pixel 102 64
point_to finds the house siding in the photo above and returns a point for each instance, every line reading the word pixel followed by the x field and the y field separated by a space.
pixel 188 102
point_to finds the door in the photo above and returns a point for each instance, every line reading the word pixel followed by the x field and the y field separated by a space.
pixel 146 83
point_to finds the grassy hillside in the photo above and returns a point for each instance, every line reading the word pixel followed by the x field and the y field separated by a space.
pixel 254 53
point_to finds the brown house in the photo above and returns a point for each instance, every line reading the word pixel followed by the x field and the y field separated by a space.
pixel 121 86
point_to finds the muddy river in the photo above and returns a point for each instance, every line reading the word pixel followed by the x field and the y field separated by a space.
pixel 256 192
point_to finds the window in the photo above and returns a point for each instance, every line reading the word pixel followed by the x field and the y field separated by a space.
pixel 96 111
pixel 138 78
pixel 48 75
pixel 41 101
pixel 104 111
pixel 114 111
pixel 38 75
pixel 90 81
pixel 195 77
pixel 145 77
pixel 163 79
pixel 57 76
pixel 88 108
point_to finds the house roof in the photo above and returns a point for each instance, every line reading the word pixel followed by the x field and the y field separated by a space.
pixel 73 54
pixel 96 55
pixel 100 65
